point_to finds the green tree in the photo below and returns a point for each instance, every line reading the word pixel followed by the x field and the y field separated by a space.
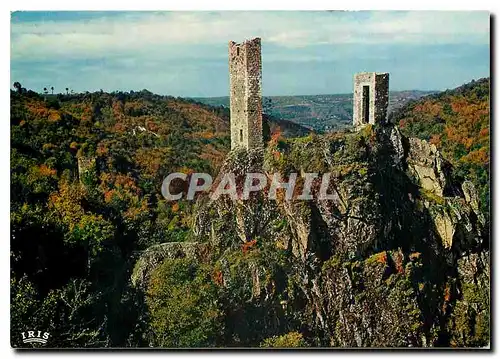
pixel 18 86
pixel 183 305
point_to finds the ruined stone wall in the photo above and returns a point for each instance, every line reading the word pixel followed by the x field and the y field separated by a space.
pixel 86 165
pixel 378 87
pixel 245 76
pixel 360 80
pixel 381 97
pixel 254 93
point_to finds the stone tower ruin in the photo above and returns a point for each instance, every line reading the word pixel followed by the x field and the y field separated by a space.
pixel 245 77
pixel 371 98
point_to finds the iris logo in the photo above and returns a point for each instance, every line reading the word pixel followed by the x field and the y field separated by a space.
pixel 32 336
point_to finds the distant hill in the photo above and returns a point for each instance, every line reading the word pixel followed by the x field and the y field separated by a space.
pixel 323 113
pixel 458 122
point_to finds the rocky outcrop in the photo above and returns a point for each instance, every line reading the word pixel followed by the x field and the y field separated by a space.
pixel 445 228
pixel 427 165
pixel 472 198
pixel 380 183
pixel 153 256
pixel 372 303
pixel 303 233
pixel 469 321
pixel 453 207
pixel 395 256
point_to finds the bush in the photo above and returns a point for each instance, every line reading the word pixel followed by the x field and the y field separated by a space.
pixel 289 340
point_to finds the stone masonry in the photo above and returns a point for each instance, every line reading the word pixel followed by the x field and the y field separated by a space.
pixel 371 98
pixel 245 76
pixel 86 165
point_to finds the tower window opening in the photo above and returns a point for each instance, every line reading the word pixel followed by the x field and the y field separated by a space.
pixel 366 104
pixel 237 51
pixel 241 135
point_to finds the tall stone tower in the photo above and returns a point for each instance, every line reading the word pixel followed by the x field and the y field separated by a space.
pixel 371 98
pixel 245 76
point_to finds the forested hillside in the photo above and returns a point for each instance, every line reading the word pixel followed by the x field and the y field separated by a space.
pixel 458 122
pixel 73 245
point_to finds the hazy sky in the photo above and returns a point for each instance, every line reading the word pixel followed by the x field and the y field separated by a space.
pixel 185 53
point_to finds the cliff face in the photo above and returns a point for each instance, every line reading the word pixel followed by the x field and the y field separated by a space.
pixel 398 257
pixel 383 186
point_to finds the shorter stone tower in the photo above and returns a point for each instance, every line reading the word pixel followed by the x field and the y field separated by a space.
pixel 245 76
pixel 371 98
pixel 87 168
